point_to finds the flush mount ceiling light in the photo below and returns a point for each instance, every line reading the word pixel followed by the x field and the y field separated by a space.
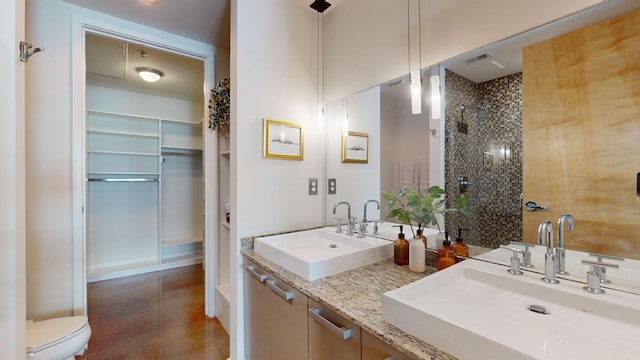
pixel 149 74
pixel 146 73
pixel 320 5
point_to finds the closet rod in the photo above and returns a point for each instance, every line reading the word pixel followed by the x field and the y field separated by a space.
pixel 124 180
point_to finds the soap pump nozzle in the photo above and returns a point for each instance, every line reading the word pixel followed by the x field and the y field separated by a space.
pixel 400 234
pixel 459 238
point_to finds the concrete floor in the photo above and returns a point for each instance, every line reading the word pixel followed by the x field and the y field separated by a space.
pixel 153 316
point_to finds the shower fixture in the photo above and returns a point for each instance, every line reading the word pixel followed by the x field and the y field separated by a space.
pixel 480 110
pixel 463 184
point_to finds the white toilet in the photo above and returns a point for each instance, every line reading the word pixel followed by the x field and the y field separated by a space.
pixel 57 339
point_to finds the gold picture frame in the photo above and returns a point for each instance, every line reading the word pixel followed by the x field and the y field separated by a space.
pixel 355 148
pixel 282 140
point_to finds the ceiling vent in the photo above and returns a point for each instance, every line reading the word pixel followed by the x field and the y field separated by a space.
pixel 478 58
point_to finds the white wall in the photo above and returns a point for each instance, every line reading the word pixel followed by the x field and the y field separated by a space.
pixel 273 72
pixel 366 40
pixel 49 225
pixel 52 108
pixel 12 191
pixel 222 64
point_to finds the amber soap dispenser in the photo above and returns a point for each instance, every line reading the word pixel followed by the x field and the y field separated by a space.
pixel 446 254
pixel 459 246
pixel 420 236
pixel 401 249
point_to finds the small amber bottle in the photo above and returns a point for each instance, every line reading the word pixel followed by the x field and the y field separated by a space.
pixel 401 249
pixel 459 246
pixel 419 235
pixel 446 255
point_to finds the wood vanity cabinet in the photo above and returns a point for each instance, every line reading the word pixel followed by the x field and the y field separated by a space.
pixel 376 349
pixel 331 336
pixel 281 323
pixel 275 317
pixel 256 314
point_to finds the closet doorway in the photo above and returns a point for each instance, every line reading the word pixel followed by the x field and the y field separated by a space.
pixel 145 163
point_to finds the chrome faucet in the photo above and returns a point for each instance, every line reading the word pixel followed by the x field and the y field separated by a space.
pixel 349 221
pixel 545 234
pixel 560 253
pixel 364 217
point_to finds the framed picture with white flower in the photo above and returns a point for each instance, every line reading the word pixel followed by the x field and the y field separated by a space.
pixel 355 148
pixel 282 140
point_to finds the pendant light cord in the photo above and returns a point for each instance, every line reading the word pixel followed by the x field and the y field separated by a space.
pixel 419 34
pixel 409 33
pixel 420 38
pixel 318 64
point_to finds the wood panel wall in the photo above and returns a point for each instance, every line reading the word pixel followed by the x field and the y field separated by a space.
pixel 581 135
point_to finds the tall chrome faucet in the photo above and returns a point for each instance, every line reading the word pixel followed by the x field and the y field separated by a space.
pixel 364 217
pixel 349 232
pixel 545 235
pixel 560 253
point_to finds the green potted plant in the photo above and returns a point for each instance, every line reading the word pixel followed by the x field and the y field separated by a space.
pixel 421 207
pixel 220 106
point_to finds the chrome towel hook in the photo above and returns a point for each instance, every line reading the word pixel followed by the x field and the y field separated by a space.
pixel 24 50
pixel 533 206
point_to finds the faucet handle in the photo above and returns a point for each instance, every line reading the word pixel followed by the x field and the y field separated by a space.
pixel 339 225
pixel 375 226
pixel 599 257
pixel 515 260
pixel 594 275
pixel 526 255
pixel 362 229
pixel 603 271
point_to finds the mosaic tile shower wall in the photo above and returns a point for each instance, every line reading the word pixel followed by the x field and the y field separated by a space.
pixel 484 143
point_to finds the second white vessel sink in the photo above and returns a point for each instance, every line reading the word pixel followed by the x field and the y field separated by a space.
pixel 476 309
pixel 317 253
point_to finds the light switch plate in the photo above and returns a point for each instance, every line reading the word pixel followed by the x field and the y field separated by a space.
pixel 331 186
pixel 313 186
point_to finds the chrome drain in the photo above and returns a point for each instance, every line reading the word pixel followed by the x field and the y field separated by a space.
pixel 538 309
pixel 333 246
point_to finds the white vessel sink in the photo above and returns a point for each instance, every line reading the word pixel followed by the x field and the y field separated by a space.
pixel 317 253
pixel 477 310
pixel 626 278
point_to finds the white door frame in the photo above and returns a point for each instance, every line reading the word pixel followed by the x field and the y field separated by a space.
pixel 12 182
pixel 117 28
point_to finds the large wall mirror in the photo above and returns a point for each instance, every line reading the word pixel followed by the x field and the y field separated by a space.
pixel 523 121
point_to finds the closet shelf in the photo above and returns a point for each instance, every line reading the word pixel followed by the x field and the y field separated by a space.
pixel 112 113
pixel 181 241
pixel 181 122
pixel 145 117
pixel 167 149
pixel 123 133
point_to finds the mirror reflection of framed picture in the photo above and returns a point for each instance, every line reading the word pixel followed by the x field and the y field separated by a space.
pixel 282 140
pixel 355 148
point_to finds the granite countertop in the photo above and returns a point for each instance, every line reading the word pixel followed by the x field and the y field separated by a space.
pixel 357 295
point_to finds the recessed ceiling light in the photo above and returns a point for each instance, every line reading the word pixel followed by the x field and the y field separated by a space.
pixel 149 74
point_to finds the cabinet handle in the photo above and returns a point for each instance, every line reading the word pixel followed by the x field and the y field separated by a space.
pixel 260 277
pixel 341 332
pixel 286 295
